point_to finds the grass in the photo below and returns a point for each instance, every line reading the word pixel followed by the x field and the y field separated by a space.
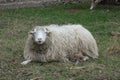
pixel 15 23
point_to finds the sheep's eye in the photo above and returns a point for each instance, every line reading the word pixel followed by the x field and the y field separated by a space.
pixel 34 32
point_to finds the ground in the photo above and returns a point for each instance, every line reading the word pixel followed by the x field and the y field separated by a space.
pixel 14 27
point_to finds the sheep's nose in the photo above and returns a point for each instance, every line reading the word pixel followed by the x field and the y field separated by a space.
pixel 39 39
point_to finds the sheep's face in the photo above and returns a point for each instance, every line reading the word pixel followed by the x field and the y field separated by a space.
pixel 39 35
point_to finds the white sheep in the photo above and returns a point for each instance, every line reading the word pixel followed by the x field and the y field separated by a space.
pixel 59 43
pixel 94 3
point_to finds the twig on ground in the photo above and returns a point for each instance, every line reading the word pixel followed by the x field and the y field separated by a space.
pixel 115 33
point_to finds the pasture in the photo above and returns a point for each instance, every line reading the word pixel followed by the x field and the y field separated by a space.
pixel 14 27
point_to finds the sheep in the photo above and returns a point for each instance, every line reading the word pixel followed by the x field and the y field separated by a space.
pixel 94 3
pixel 63 43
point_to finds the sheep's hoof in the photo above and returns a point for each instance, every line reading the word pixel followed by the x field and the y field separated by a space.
pixel 85 58
pixel 26 62
pixel 76 63
pixel 91 8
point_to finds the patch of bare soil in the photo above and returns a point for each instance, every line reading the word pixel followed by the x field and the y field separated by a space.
pixel 73 10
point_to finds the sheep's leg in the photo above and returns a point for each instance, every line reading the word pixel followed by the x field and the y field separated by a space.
pixel 80 56
pixel 26 62
pixel 84 58
pixel 94 3
pixel 66 60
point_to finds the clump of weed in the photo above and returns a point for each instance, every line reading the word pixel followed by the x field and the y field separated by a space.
pixel 114 46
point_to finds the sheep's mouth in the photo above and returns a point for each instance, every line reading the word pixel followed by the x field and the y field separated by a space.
pixel 39 42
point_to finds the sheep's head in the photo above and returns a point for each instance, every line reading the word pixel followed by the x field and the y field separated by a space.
pixel 39 34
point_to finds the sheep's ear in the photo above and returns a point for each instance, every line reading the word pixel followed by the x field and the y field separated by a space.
pixel 47 30
pixel 32 31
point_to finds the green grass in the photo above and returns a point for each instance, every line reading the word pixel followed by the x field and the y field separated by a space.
pixel 15 23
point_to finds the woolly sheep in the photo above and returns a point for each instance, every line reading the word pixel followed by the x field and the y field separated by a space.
pixel 94 3
pixel 63 43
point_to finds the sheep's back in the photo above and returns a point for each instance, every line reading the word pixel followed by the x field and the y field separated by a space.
pixel 69 38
